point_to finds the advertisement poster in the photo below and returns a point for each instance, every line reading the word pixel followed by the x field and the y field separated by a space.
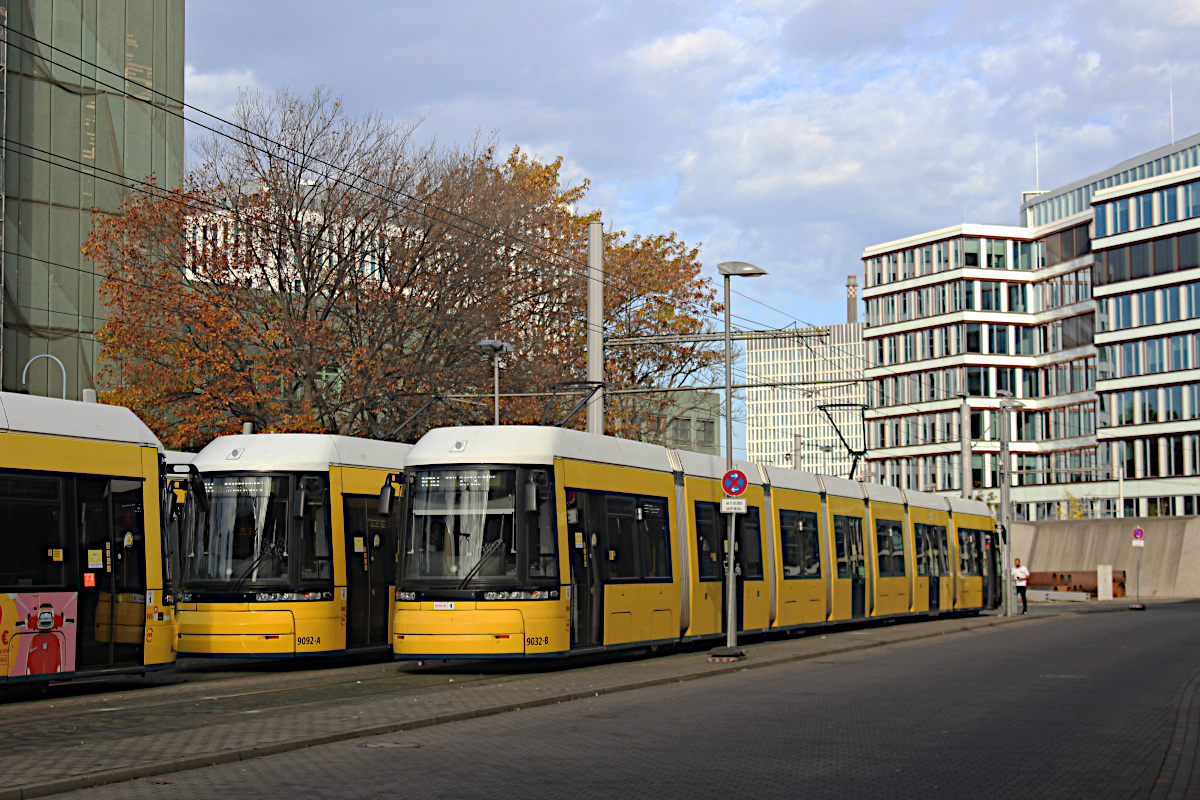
pixel 37 633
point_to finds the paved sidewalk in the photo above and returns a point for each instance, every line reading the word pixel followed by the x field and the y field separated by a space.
pixel 120 753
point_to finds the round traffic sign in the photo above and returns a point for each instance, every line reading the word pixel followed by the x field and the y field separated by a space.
pixel 1138 533
pixel 734 483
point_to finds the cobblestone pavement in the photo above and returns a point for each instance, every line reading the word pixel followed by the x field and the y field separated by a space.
pixel 1071 706
pixel 66 742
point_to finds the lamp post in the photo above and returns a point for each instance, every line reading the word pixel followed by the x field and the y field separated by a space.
pixel 497 349
pixel 1007 403
pixel 728 269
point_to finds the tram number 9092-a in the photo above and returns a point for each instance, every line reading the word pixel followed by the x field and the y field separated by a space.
pixel 308 640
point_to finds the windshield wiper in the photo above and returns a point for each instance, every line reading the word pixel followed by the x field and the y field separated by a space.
pixel 250 568
pixel 489 550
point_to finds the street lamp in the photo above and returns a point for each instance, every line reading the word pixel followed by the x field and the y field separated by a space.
pixel 497 348
pixel 730 650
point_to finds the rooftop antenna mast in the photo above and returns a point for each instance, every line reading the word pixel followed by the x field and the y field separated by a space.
pixel 1171 93
pixel 1037 167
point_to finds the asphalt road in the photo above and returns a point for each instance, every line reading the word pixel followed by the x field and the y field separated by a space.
pixel 1091 705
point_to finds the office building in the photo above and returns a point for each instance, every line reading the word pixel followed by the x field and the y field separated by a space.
pixel 791 378
pixel 92 101
pixel 1082 312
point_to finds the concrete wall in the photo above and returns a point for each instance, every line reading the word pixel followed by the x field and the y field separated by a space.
pixel 1170 559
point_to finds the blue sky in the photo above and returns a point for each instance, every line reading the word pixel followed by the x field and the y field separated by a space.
pixel 788 134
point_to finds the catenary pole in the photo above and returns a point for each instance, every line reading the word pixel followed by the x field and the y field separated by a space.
pixel 595 325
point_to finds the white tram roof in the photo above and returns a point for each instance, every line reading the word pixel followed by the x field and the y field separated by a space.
pixel 173 457
pixel 702 465
pixel 933 502
pixel 840 487
pixel 297 452
pixel 794 479
pixel 961 505
pixel 530 444
pixel 883 493
pixel 50 416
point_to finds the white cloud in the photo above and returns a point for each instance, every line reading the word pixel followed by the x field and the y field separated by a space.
pixel 790 134
pixel 216 92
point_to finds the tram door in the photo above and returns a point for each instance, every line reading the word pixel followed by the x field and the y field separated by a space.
pixel 370 571
pixel 991 571
pixel 112 593
pixel 852 560
pixel 858 570
pixel 927 563
pixel 584 516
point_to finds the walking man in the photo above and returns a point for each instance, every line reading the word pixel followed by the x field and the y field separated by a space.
pixel 1021 576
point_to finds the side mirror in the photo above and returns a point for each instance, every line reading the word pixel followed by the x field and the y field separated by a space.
pixel 531 497
pixel 298 503
pixel 200 491
pixel 385 500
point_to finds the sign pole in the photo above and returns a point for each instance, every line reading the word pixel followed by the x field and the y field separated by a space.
pixel 1139 542
pixel 734 482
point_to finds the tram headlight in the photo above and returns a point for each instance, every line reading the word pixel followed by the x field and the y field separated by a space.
pixel 405 596
pixel 185 597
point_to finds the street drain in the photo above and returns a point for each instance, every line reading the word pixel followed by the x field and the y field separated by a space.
pixel 391 744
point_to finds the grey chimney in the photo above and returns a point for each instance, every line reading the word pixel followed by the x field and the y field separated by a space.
pixel 851 299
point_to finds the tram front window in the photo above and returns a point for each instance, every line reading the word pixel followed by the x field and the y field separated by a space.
pixel 244 538
pixel 471 525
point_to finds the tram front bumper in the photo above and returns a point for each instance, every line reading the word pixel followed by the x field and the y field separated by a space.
pixel 236 633
pixel 459 633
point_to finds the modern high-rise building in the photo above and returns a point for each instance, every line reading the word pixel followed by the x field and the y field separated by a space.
pixel 816 410
pixel 1147 276
pixel 1084 313
pixel 91 101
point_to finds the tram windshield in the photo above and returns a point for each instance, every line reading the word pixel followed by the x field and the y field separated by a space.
pixel 244 538
pixel 473 525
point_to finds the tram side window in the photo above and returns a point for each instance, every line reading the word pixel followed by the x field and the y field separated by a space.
pixel 620 536
pixel 131 537
pixel 708 541
pixel 847 532
pixel 636 533
pixel 655 537
pixel 543 540
pixel 316 542
pixel 749 545
pixel 932 550
pixel 970 549
pixel 889 540
pixel 924 554
pixel 800 540
pixel 33 550
pixel 941 549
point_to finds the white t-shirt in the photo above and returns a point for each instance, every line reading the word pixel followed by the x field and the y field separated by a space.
pixel 1020 574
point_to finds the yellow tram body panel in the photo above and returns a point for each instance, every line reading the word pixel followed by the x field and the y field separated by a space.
pixel 921 588
pixel 103 614
pixel 633 612
pixel 970 587
pixel 891 591
pixel 799 600
pixel 708 597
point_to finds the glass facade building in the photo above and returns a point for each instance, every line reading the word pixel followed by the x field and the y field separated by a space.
pixel 92 102
pixel 784 425
pixel 1088 313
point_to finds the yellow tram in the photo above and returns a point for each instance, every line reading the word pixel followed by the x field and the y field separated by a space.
pixel 82 587
pixel 533 541
pixel 291 556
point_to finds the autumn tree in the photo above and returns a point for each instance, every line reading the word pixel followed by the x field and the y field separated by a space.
pixel 320 272
pixel 317 272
